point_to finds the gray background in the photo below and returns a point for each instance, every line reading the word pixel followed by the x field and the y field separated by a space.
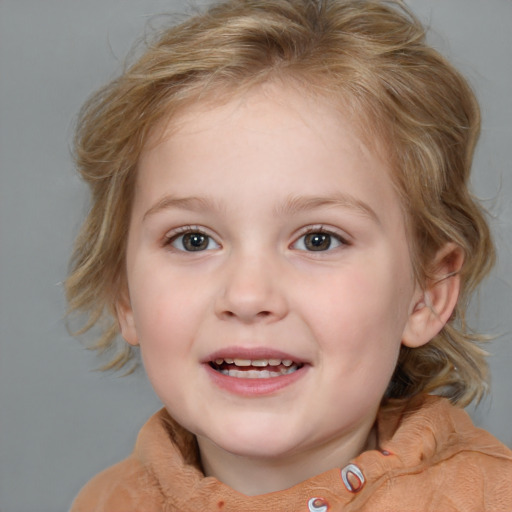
pixel 60 421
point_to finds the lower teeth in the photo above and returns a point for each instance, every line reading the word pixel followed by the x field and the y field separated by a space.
pixel 258 374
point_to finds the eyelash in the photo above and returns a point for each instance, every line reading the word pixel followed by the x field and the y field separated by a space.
pixel 169 239
pixel 322 231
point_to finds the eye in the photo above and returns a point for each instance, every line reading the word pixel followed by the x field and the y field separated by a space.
pixel 192 241
pixel 318 240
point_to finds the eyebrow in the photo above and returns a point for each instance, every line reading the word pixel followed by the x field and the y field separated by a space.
pixel 297 204
pixel 292 206
pixel 195 204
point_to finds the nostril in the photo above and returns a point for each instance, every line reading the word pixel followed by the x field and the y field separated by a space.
pixel 260 314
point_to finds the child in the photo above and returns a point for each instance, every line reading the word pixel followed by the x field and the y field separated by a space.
pixel 281 223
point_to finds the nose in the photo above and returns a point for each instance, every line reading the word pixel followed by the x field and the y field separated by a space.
pixel 252 291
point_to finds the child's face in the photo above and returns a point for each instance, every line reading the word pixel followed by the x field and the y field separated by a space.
pixel 266 230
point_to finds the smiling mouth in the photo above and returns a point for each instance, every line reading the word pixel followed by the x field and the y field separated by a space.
pixel 255 368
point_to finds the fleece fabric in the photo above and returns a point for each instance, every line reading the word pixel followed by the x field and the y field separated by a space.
pixel 430 458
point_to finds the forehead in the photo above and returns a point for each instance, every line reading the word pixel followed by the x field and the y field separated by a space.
pixel 292 97
pixel 265 137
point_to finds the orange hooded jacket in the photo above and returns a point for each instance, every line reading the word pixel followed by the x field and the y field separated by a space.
pixel 430 458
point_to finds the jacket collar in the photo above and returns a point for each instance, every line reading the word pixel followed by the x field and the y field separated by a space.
pixel 410 436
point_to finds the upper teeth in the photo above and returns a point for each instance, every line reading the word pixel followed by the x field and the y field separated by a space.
pixel 254 362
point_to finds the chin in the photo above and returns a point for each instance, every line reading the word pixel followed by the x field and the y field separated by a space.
pixel 258 450
pixel 261 444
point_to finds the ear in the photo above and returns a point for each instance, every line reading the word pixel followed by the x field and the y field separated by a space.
pixel 126 320
pixel 432 308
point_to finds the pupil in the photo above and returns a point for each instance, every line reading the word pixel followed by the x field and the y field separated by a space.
pixel 195 242
pixel 318 241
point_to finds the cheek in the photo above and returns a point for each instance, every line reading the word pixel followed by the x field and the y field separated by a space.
pixel 166 330
pixel 367 306
pixel 164 312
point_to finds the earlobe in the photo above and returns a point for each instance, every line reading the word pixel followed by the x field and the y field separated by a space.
pixel 432 308
pixel 126 321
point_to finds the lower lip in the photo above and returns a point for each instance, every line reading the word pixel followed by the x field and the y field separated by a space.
pixel 254 387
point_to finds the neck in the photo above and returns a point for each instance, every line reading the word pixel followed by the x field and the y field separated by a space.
pixel 260 475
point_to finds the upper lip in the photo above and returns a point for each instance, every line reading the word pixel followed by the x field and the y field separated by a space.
pixel 254 353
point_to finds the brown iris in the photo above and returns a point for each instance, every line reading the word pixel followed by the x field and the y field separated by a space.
pixel 317 241
pixel 195 242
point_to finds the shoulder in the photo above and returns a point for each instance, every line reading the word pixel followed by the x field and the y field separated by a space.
pixel 473 473
pixel 474 462
pixel 130 485
pixel 125 487
pixel 443 455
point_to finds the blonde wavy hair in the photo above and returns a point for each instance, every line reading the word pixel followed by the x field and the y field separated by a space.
pixel 368 55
